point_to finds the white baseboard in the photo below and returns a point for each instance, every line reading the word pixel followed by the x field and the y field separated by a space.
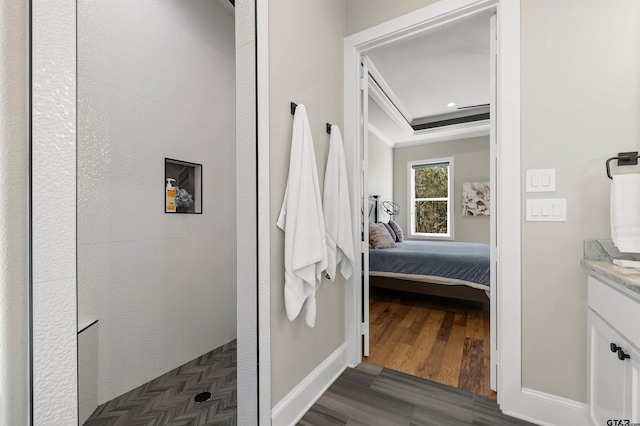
pixel 297 402
pixel 550 410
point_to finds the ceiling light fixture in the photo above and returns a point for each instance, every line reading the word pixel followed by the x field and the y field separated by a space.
pixel 451 104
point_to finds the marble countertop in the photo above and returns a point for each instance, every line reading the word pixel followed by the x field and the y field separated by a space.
pixel 598 261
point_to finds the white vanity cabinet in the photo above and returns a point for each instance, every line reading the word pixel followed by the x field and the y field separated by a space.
pixel 614 354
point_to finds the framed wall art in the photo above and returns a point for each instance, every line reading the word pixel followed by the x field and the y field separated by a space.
pixel 476 197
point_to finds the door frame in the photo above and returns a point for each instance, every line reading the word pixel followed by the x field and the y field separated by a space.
pixel 508 209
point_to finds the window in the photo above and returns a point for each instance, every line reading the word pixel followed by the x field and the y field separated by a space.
pixel 430 192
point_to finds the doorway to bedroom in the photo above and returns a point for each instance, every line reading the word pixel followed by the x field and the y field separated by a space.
pixel 428 180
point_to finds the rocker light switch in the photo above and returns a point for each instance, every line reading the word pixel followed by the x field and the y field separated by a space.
pixel 546 210
pixel 535 180
pixel 535 210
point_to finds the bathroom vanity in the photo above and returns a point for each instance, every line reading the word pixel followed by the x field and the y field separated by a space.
pixel 613 339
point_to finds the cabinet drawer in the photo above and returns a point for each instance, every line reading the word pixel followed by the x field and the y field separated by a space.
pixel 619 310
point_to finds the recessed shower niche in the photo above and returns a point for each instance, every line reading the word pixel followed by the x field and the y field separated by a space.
pixel 183 186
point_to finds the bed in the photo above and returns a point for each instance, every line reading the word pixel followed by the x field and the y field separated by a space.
pixel 457 270
pixel 449 269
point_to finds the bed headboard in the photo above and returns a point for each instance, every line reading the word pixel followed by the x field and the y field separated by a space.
pixel 373 208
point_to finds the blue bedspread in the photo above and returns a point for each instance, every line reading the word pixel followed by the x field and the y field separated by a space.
pixel 458 261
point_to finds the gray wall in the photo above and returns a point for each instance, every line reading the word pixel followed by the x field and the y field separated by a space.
pixel 306 66
pixel 380 172
pixel 580 101
pixel 161 285
pixel 470 164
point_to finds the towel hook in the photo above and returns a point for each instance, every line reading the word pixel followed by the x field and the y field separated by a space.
pixel 293 112
pixel 624 159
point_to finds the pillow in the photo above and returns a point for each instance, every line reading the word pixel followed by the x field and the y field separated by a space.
pixel 379 237
pixel 391 231
pixel 396 228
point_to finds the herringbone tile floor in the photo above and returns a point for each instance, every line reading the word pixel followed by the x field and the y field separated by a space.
pixel 169 399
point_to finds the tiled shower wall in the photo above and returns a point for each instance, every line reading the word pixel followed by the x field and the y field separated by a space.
pixel 53 207
pixel 155 80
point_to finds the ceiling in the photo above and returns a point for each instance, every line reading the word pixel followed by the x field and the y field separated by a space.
pixel 413 83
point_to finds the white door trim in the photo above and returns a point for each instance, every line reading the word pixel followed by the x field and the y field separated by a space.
pixel 363 253
pixel 493 228
pixel 508 208
pixel 423 20
pixel 264 219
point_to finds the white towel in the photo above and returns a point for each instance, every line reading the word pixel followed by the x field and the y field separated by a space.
pixel 625 212
pixel 337 210
pixel 301 219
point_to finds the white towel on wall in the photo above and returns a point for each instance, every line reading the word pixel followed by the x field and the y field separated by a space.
pixel 337 210
pixel 302 220
pixel 625 212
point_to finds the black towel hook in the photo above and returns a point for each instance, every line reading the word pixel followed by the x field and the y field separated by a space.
pixel 293 112
pixel 624 159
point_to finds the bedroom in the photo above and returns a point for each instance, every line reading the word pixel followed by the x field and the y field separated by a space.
pixel 428 116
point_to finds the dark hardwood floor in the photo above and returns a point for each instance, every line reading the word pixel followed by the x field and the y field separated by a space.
pixel 435 338
pixel 373 395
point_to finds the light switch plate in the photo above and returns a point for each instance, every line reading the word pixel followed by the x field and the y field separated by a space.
pixel 547 210
pixel 541 180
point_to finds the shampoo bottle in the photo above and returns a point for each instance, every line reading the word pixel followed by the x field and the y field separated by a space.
pixel 170 197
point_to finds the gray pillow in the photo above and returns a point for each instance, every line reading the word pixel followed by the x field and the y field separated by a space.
pixel 391 231
pixel 379 237
pixel 396 228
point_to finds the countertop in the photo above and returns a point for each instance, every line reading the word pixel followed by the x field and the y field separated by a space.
pixel 598 261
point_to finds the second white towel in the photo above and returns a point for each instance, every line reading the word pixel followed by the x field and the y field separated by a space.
pixel 337 210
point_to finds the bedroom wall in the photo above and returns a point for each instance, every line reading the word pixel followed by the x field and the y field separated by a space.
pixel 306 66
pixel 155 80
pixel 470 164
pixel 380 171
pixel 580 101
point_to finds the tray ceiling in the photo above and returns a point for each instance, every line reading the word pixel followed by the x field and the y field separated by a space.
pixel 422 77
